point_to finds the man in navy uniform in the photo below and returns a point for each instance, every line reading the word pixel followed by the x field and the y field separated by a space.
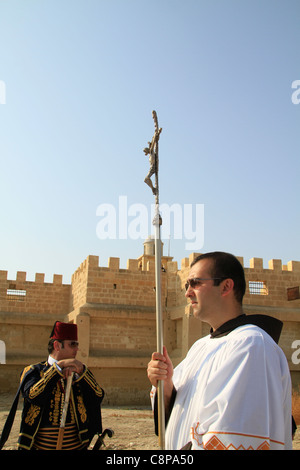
pixel 43 389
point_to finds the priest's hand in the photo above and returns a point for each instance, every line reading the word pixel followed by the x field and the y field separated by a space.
pixel 161 368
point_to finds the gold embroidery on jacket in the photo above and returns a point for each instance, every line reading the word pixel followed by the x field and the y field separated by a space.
pixel 90 379
pixel 55 406
pixel 33 412
pixel 81 409
pixel 24 372
pixel 39 387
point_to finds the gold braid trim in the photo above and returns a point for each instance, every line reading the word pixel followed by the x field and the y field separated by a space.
pixel 81 409
pixel 46 438
pixel 90 379
pixel 32 413
pixel 24 372
pixel 40 386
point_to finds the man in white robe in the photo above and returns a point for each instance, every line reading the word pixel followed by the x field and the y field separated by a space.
pixel 233 389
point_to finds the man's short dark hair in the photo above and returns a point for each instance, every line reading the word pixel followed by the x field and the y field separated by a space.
pixel 226 265
pixel 51 345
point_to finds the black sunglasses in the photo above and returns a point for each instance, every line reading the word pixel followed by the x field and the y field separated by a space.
pixel 197 280
pixel 72 344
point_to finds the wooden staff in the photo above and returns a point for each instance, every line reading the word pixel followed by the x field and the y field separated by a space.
pixel 64 413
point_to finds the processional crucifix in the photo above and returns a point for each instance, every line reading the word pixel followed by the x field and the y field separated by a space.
pixel 152 151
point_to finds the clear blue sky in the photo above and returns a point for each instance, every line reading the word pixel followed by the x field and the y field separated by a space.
pixel 81 80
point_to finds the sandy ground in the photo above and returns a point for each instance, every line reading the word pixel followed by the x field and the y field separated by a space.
pixel 133 427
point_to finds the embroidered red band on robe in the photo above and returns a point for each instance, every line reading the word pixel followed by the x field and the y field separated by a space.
pixel 233 441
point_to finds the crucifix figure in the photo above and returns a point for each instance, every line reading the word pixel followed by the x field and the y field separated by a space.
pixel 152 151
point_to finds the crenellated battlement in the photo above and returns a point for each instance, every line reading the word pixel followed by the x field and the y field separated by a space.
pixel 143 263
pixel 35 297
pixel 136 265
pixel 254 263
pixel 93 282
pixel 267 287
pixel 39 278
pixel 90 270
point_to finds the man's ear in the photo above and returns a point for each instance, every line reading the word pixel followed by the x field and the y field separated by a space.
pixel 227 286
pixel 56 345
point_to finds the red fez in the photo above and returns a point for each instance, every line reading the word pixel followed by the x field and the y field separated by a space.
pixel 62 331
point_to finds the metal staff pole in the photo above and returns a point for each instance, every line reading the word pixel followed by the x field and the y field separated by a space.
pixel 152 151
pixel 159 327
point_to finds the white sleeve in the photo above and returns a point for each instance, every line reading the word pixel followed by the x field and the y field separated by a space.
pixel 152 396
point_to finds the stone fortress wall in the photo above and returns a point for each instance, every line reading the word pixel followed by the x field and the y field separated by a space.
pixel 115 312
